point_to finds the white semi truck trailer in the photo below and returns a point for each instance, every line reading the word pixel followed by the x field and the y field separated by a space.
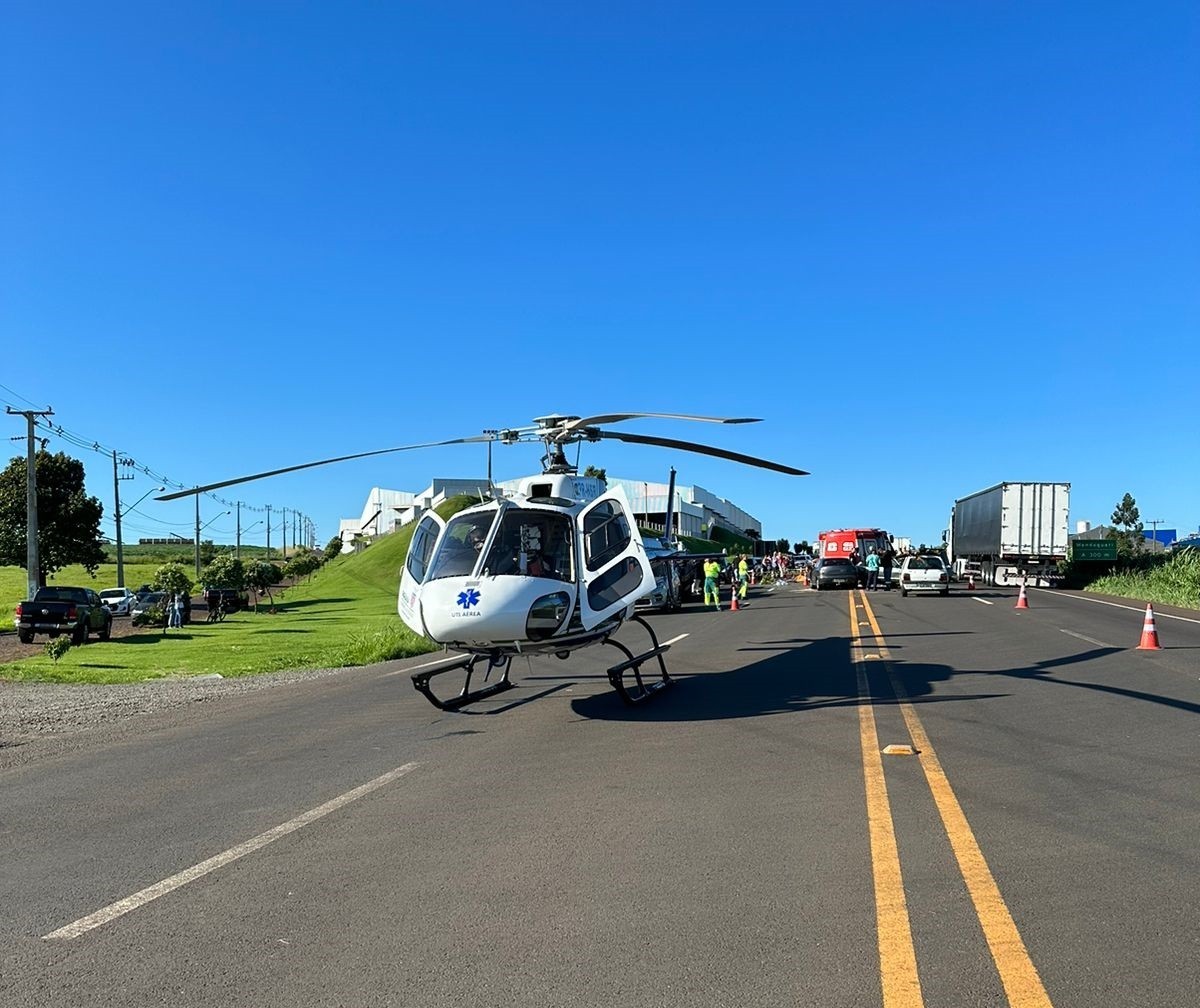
pixel 1009 533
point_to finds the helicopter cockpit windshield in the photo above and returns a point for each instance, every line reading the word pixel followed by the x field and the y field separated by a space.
pixel 461 545
pixel 532 543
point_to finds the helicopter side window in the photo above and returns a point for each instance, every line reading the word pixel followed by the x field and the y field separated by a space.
pixel 422 549
pixel 614 584
pixel 606 534
pixel 461 545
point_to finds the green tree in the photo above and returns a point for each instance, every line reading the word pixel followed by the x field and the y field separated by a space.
pixel 173 579
pixel 260 576
pixel 802 546
pixel 68 519
pixel 782 546
pixel 1127 527
pixel 301 564
pixel 601 474
pixel 333 548
pixel 226 571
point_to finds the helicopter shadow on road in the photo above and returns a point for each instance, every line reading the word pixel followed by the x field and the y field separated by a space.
pixel 1043 671
pixel 811 674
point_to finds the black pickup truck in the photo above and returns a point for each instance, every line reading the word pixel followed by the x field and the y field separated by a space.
pixel 54 611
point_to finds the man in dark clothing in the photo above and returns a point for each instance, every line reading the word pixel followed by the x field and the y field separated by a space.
pixel 886 562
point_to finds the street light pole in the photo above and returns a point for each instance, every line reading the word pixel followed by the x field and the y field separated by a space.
pixel 201 528
pixel 119 514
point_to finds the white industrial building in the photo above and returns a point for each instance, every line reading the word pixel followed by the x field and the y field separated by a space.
pixel 387 510
pixel 697 511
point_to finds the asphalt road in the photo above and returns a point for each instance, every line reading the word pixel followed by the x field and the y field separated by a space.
pixel 741 841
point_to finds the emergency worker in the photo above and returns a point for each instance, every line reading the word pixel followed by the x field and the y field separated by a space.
pixel 712 574
pixel 743 576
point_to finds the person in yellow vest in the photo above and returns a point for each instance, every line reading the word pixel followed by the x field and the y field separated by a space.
pixel 712 572
pixel 743 573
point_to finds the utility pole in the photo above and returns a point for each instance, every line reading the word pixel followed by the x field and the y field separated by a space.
pixel 33 567
pixel 1154 523
pixel 197 534
pixel 238 548
pixel 268 531
pixel 283 534
pixel 117 515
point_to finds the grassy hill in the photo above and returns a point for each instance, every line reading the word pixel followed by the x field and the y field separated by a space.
pixel 345 615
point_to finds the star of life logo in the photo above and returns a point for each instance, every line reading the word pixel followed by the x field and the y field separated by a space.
pixel 468 598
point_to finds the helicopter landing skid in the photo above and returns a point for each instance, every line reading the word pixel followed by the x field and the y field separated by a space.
pixel 642 689
pixel 468 695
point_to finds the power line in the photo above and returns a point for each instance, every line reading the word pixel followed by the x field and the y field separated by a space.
pixel 80 441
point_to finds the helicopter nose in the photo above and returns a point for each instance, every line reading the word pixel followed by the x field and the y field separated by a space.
pixel 492 610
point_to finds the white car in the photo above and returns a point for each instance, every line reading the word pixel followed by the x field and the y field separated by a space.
pixel 118 600
pixel 923 574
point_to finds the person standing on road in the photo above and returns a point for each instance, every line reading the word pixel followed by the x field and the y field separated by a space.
pixel 177 610
pixel 712 574
pixel 743 576
pixel 872 570
pixel 887 561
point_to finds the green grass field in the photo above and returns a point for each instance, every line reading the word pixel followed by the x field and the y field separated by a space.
pixel 345 615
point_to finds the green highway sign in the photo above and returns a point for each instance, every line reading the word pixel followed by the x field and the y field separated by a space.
pixel 1094 549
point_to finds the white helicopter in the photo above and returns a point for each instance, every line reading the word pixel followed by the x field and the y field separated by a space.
pixel 551 566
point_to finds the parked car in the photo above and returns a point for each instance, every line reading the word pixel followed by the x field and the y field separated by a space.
pixel 119 600
pixel 924 574
pixel 147 601
pixel 233 600
pixel 835 572
pixel 63 610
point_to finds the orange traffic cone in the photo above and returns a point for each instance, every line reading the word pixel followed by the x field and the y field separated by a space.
pixel 733 606
pixel 971 582
pixel 1022 601
pixel 1149 641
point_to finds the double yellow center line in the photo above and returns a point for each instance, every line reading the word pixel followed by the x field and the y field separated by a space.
pixel 897 954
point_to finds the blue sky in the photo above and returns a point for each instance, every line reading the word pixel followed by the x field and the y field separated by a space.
pixel 934 246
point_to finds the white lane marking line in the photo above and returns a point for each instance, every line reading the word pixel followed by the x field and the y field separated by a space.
pixel 674 640
pixel 982 601
pixel 1117 605
pixel 139 899
pixel 413 668
pixel 1082 637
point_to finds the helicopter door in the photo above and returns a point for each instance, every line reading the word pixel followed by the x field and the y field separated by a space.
pixel 416 566
pixel 615 569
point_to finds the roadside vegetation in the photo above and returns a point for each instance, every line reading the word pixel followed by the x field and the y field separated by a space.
pixel 1169 579
pixel 341 613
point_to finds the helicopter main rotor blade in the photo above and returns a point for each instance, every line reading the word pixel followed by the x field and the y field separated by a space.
pixel 704 450
pixel 310 465
pixel 574 425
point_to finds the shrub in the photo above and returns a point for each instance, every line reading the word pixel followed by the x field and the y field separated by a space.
pixel 56 647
